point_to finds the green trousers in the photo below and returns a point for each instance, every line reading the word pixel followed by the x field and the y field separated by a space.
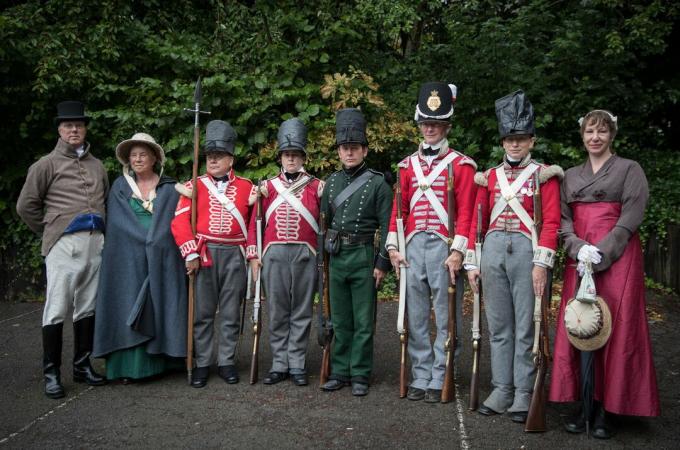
pixel 352 296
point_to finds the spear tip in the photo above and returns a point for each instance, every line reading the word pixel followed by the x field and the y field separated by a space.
pixel 197 92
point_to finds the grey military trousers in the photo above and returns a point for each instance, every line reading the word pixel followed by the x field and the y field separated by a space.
pixel 289 276
pixel 219 288
pixel 509 307
pixel 427 277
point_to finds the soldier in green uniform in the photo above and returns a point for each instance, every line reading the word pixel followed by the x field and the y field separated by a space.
pixel 356 201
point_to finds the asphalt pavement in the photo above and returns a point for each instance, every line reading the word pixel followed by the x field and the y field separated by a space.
pixel 166 412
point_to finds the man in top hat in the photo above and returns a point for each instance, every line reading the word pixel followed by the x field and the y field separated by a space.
pixel 356 202
pixel 63 200
pixel 218 250
pixel 425 210
pixel 515 257
pixel 290 207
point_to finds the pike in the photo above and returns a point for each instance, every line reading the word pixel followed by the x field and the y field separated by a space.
pixel 476 319
pixel 257 298
pixel 194 175
pixel 325 326
pixel 401 315
pixel 448 390
pixel 541 350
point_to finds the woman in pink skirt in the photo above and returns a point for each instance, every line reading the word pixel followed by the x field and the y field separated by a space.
pixel 603 204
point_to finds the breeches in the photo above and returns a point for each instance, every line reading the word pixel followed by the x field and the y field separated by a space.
pixel 72 276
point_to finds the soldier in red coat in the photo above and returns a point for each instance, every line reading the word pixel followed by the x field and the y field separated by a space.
pixel 515 258
pixel 425 210
pixel 218 249
pixel 290 206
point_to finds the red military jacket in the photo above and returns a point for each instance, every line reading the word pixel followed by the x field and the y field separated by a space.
pixel 489 193
pixel 420 215
pixel 214 223
pixel 283 224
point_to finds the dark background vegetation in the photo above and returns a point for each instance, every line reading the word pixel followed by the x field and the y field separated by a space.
pixel 135 64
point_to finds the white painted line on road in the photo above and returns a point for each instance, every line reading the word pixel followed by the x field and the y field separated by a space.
pixel 43 417
pixel 20 315
pixel 464 444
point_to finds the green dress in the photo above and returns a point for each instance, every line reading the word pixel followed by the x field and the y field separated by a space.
pixel 135 362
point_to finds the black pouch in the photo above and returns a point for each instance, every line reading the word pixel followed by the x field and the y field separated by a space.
pixel 331 241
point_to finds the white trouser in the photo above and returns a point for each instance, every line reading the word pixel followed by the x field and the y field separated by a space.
pixel 72 276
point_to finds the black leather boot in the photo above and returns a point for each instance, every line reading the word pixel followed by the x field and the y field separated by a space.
pixel 601 427
pixel 576 423
pixel 83 335
pixel 52 342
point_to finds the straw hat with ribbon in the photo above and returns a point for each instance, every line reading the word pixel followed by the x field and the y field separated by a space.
pixel 123 155
pixel 587 317
pixel 123 149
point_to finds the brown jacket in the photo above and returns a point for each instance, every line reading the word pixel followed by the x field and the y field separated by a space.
pixel 59 187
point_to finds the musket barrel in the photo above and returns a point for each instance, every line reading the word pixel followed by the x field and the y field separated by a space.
pixel 448 390
pixel 536 418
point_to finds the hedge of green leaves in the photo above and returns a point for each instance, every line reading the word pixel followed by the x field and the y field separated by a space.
pixel 135 65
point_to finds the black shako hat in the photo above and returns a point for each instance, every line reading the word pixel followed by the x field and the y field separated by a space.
pixel 71 110
pixel 220 137
pixel 293 135
pixel 350 127
pixel 435 102
pixel 515 115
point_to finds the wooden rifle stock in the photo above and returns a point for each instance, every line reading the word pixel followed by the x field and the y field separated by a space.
pixel 536 417
pixel 257 312
pixel 402 322
pixel 325 331
pixel 476 320
pixel 449 389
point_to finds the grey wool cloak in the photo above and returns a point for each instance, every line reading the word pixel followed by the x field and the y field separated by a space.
pixel 142 295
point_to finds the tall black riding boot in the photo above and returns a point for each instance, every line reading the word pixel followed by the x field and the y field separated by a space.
pixel 52 342
pixel 83 335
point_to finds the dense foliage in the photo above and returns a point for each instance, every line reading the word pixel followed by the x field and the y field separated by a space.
pixel 135 64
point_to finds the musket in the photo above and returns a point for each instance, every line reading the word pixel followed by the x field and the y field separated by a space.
pixel 194 175
pixel 257 299
pixel 325 326
pixel 401 315
pixel 476 319
pixel 449 389
pixel 242 320
pixel 536 418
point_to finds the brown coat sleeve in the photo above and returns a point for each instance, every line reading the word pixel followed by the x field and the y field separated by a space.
pixel 30 205
pixel 633 204
pixel 572 243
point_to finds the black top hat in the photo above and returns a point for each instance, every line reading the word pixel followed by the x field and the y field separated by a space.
pixel 350 127
pixel 293 135
pixel 435 102
pixel 515 115
pixel 71 110
pixel 220 137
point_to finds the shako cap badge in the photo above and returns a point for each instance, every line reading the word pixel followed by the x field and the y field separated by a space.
pixel 433 101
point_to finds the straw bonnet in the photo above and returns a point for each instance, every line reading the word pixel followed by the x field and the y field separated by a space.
pixel 123 149
pixel 588 325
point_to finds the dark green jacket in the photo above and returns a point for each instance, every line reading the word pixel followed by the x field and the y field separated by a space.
pixel 368 209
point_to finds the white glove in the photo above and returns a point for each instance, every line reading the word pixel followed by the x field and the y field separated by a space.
pixel 589 253
pixel 581 268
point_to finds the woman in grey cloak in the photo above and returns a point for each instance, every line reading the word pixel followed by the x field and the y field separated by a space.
pixel 141 311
